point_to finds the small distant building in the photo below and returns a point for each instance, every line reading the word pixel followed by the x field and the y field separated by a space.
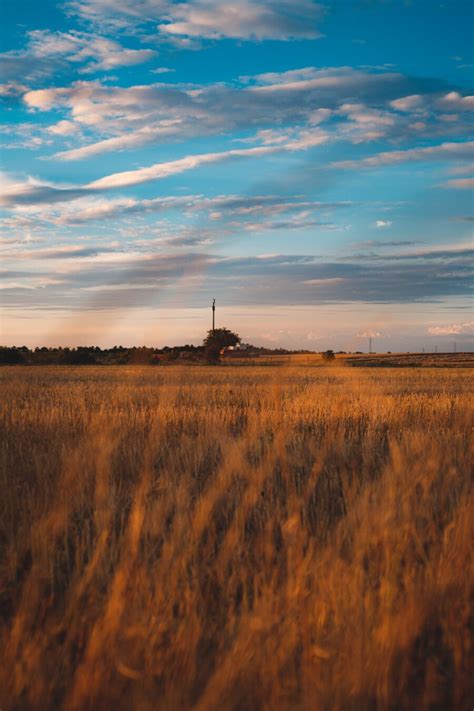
pixel 240 350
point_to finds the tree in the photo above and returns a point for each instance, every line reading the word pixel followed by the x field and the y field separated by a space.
pixel 217 339
pixel 328 356
pixel 11 356
pixel 78 356
pixel 221 338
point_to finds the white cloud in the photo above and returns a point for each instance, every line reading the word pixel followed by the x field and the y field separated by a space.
pixel 39 204
pixel 274 105
pixel 305 140
pixel 135 116
pixel 209 19
pixel 381 224
pixel 449 118
pixel 454 101
pixel 90 208
pixel 289 77
pixel 365 123
pixel 318 116
pixel 86 210
pixel 63 128
pixel 453 329
pixel 408 103
pixel 323 282
pixel 163 170
pixel 119 143
pixel 460 183
pixel 277 279
pixel 162 70
pixel 370 333
pixel 443 151
pixel 246 19
pixel 367 116
pixel 140 115
pixel 12 88
pixel 94 51
pixel 117 13
pixel 47 52
pixel 340 78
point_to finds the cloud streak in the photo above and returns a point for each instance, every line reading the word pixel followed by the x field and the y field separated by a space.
pixel 158 171
pixel 126 118
pixel 454 329
pixel 208 19
pixel 48 53
pixel 460 184
pixel 242 280
pixel 443 151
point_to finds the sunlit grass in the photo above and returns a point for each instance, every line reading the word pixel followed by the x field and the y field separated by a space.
pixel 235 538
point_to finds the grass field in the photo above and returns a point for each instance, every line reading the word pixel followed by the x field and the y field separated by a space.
pixel 230 538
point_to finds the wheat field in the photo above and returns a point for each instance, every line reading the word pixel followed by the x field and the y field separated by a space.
pixel 236 539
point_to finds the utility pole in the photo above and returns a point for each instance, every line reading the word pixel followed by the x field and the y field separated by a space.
pixel 213 315
pixel 370 344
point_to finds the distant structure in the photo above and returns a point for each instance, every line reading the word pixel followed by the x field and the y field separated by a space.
pixel 370 345
pixel 213 315
pixel 240 350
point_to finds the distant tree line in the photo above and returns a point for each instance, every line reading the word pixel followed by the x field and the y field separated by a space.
pixel 209 352
pixel 93 355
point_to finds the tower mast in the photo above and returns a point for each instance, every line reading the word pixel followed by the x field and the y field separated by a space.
pixel 213 315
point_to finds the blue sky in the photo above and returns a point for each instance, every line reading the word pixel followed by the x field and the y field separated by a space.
pixel 307 164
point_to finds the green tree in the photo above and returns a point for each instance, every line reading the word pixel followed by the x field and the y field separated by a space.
pixel 217 339
pixel 221 338
pixel 328 356
pixel 11 356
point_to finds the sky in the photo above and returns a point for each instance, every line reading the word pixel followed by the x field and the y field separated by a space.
pixel 308 165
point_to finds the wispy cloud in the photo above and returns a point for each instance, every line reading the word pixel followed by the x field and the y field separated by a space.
pixel 158 171
pixel 48 52
pixel 90 50
pixel 370 333
pixel 249 19
pixel 209 19
pixel 275 105
pixel 460 183
pixel 453 329
pixel 378 244
pixel 454 101
pixel 443 151
pixel 244 280
pixel 34 191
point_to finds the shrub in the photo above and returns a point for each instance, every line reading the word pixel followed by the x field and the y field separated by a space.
pixel 328 356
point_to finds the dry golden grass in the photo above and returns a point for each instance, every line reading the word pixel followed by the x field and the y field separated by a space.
pixel 418 360
pixel 235 538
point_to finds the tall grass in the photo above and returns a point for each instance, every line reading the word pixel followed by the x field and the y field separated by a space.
pixel 235 539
